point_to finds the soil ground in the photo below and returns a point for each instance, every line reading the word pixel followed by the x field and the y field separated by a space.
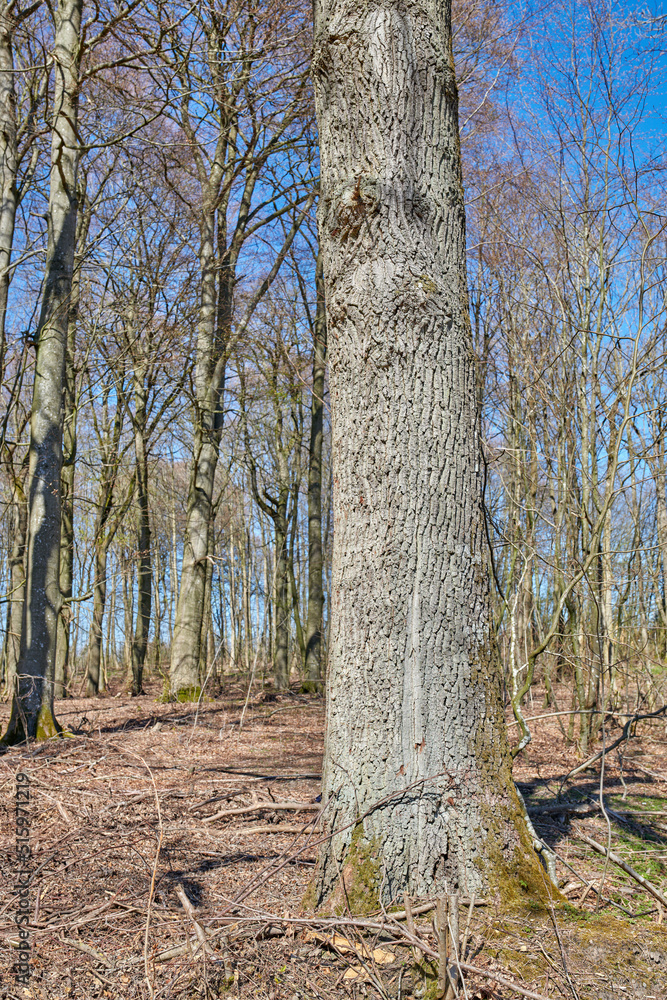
pixel 126 810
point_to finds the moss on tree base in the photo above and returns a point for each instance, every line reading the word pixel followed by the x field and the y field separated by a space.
pixel 511 872
pixel 187 694
pixel 46 728
pixel 312 687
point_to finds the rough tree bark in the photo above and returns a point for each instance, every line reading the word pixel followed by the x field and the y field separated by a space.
pixel 32 705
pixel 69 455
pixel 8 164
pixel 416 756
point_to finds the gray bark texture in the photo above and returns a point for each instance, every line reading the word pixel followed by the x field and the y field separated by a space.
pixel 69 460
pixel 32 705
pixel 8 165
pixel 416 756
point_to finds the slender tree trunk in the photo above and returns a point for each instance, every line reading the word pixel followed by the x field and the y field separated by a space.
pixel 32 707
pixel 281 670
pixel 99 601
pixel 298 628
pixel 315 586
pixel 145 576
pixel 207 621
pixel 416 750
pixel 210 380
pixel 245 580
pixel 128 615
pixel 16 587
pixel 110 655
pixel 232 598
pixel 173 570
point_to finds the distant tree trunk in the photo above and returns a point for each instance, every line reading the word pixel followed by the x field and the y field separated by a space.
pixel 109 434
pixel 16 587
pixel 281 670
pixel 416 751
pixel 245 580
pixel 128 614
pixel 145 576
pixel 212 327
pixel 233 647
pixel 99 601
pixel 277 509
pixel 315 586
pixel 207 622
pixel 32 706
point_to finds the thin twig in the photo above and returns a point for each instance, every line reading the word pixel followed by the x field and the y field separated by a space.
pixel 644 883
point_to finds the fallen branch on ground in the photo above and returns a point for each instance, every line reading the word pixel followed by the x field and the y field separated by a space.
pixel 275 829
pixel 262 806
pixel 87 950
pixel 187 906
pixel 554 808
pixel 644 883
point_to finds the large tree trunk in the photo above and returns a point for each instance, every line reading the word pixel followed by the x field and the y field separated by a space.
pixel 315 590
pixel 32 707
pixel 416 756
pixel 8 165
pixel 68 469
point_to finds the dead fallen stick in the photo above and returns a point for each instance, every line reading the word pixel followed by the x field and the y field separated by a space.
pixel 70 925
pixel 555 808
pixel 430 905
pixel 261 806
pixel 644 883
pixel 275 829
pixel 187 906
pixel 645 770
pixel 225 797
pixel 87 950
pixel 641 812
pixel 192 944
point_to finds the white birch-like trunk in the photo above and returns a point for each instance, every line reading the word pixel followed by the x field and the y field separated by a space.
pixel 414 719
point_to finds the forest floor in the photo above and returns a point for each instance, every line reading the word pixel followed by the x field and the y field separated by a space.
pixel 157 826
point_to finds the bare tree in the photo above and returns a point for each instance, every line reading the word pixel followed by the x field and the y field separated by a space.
pixel 32 707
